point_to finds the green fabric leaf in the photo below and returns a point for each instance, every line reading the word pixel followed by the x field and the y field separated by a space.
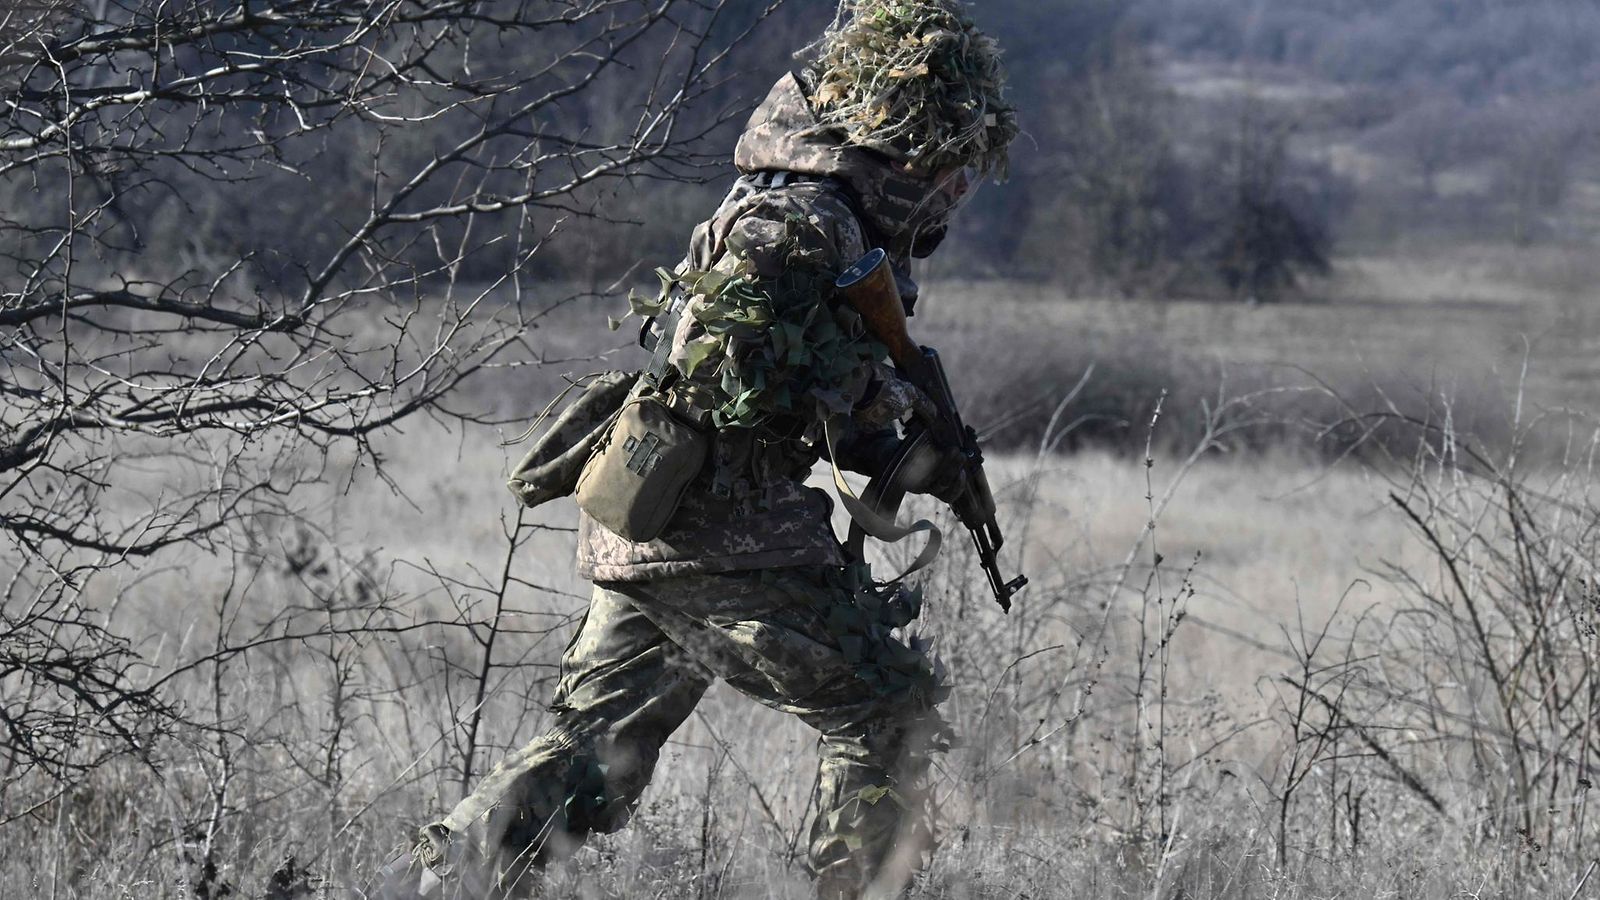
pixel 697 352
pixel 711 282
pixel 771 345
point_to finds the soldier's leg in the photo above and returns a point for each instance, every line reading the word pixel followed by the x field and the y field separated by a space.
pixel 871 825
pixel 625 687
pixel 810 642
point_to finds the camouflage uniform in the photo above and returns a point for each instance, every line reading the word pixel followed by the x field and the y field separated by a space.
pixel 753 587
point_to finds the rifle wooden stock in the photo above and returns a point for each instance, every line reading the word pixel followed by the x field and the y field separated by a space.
pixel 870 289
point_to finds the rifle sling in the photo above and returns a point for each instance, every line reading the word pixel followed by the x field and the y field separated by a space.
pixel 870 521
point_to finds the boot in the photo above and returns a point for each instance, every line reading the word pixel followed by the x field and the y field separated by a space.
pixel 439 867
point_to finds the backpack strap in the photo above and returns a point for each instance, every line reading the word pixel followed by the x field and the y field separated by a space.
pixel 660 376
pixel 660 373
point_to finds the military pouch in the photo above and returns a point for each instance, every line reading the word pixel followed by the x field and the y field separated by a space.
pixel 550 469
pixel 637 476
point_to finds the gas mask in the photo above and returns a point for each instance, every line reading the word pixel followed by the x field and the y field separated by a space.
pixel 929 222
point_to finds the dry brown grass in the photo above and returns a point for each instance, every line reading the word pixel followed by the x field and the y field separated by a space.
pixel 1113 747
pixel 1046 812
pixel 1396 332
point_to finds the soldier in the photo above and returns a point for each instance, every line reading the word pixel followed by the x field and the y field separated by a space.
pixel 748 582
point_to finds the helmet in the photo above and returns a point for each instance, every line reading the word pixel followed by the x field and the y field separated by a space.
pixel 914 80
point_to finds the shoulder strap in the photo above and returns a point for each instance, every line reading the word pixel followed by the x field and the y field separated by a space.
pixel 658 374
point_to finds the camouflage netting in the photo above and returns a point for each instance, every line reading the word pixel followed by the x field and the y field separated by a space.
pixel 771 348
pixel 916 80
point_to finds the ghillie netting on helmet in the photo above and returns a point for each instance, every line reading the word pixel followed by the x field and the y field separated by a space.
pixel 917 81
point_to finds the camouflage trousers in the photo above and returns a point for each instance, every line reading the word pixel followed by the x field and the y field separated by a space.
pixel 812 641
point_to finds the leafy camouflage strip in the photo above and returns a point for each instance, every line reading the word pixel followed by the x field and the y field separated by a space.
pixel 774 345
pixel 915 80
pixel 814 641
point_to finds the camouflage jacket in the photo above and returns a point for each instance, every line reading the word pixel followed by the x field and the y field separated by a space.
pixel 771 518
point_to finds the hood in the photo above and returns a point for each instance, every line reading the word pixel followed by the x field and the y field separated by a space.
pixel 785 135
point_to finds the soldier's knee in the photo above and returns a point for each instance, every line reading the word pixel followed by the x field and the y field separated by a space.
pixel 895 741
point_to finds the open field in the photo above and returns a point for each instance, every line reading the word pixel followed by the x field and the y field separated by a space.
pixel 353 746
pixel 1472 328
pixel 1314 608
pixel 1128 731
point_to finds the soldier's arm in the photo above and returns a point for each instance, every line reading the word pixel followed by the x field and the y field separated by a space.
pixel 884 397
pixel 867 452
pixel 872 439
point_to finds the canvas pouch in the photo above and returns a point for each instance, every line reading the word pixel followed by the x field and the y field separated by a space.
pixel 551 467
pixel 637 476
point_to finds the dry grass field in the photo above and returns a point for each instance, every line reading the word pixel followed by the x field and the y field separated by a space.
pixel 1242 669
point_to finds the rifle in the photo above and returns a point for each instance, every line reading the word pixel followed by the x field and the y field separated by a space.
pixel 869 287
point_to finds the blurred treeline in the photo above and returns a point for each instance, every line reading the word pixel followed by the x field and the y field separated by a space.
pixel 1195 148
pixel 1231 147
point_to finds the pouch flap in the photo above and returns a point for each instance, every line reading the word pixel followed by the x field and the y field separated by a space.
pixel 551 467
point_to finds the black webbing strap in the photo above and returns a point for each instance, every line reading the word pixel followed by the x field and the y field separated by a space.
pixel 658 375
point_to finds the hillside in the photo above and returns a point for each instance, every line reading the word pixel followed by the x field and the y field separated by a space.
pixel 1478 50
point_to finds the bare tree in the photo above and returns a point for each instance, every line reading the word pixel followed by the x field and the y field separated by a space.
pixel 1118 192
pixel 1537 148
pixel 1269 233
pixel 177 358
